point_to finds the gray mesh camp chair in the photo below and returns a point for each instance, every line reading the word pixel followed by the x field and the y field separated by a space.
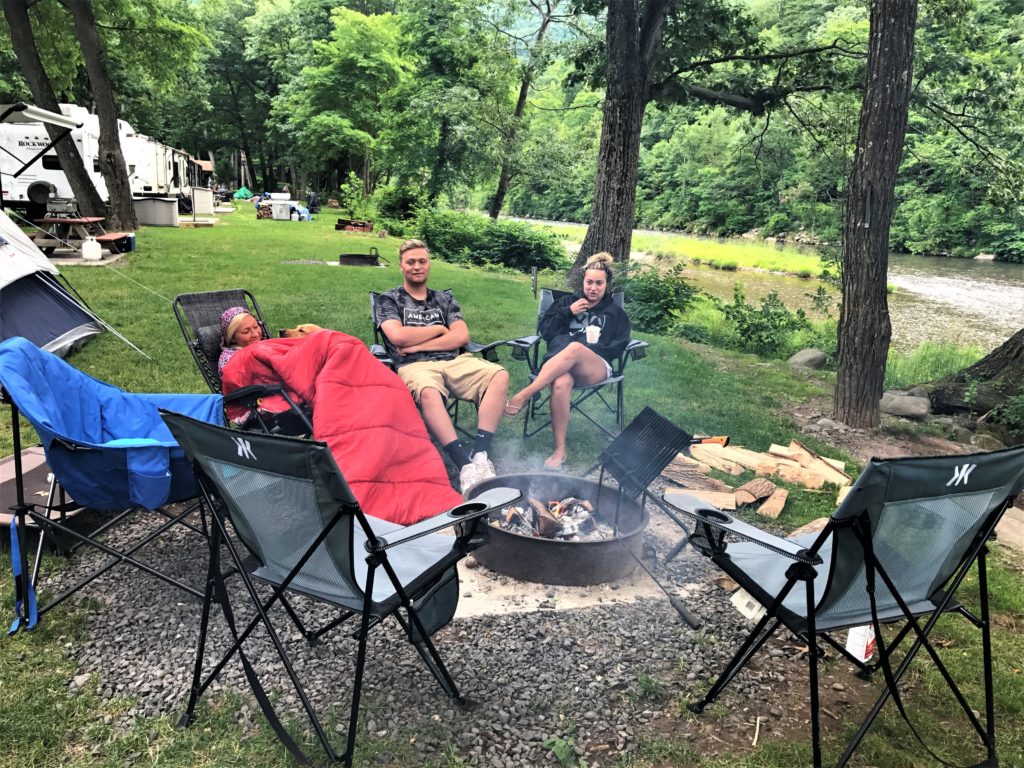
pixel 528 348
pixel 198 316
pixel 305 534
pixel 382 349
pixel 895 552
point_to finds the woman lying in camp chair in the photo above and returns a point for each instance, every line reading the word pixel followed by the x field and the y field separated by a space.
pixel 352 394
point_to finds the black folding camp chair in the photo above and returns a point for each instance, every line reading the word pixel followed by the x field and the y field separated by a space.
pixel 896 551
pixel 382 349
pixel 528 348
pixel 198 316
pixel 289 504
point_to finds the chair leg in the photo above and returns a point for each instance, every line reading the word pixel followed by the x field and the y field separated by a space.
pixel 357 680
pixel 197 673
pixel 812 650
pixel 431 659
pixel 757 638
pixel 620 406
pixel 986 645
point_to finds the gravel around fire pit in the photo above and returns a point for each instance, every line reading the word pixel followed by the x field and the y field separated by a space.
pixel 604 674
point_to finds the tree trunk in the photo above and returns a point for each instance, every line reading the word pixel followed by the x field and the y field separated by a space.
pixel 498 201
pixel 436 181
pixel 633 33
pixel 988 383
pixel 16 12
pixel 864 327
pixel 112 165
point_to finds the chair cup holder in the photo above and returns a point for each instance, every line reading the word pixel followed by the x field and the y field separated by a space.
pixel 518 353
pixel 712 516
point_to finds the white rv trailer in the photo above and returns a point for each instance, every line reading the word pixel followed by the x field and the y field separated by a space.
pixel 154 169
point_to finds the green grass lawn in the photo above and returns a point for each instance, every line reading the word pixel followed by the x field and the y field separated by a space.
pixel 700 389
pixel 729 253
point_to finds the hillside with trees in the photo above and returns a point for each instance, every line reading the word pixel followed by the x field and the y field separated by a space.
pixel 748 112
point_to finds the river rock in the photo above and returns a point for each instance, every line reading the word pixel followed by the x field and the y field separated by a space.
pixel 986 442
pixel 808 358
pixel 899 404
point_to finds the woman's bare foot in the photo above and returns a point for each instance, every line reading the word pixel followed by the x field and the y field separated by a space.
pixel 555 460
pixel 514 406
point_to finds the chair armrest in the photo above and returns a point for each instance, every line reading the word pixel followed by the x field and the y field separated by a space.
pixel 479 506
pixel 716 523
pixel 250 394
pixel 381 353
pixel 637 349
pixel 486 351
pixel 524 342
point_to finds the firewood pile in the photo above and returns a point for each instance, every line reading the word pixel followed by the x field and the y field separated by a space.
pixel 568 519
pixel 794 464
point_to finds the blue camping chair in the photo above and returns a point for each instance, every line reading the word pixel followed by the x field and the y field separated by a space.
pixel 107 449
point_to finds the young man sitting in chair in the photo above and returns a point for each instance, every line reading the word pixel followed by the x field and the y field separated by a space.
pixel 426 329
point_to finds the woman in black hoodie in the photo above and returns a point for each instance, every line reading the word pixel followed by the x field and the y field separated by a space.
pixel 584 332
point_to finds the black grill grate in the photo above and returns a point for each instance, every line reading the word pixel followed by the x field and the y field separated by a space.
pixel 643 449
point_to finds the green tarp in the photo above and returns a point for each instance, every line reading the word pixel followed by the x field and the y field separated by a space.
pixel 243 194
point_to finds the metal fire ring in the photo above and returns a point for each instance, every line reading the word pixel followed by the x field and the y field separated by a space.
pixel 568 563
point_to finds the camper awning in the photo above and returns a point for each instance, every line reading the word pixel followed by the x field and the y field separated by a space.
pixel 26 113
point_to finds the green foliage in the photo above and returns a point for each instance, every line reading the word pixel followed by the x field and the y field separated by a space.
pixel 350 196
pixel 929 361
pixel 655 297
pixel 398 201
pixel 563 749
pixel 764 330
pixel 473 239
pixel 1010 413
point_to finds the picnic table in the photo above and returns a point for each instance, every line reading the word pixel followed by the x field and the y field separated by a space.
pixel 72 231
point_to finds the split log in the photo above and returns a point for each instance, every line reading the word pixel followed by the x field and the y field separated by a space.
pixel 744 498
pixel 815 526
pixel 724 501
pixel 772 506
pixel 801 476
pixel 810 460
pixel 759 488
pixel 711 455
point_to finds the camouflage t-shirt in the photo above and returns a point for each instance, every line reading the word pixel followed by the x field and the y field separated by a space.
pixel 439 308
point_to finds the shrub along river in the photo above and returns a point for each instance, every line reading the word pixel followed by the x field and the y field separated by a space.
pixel 966 301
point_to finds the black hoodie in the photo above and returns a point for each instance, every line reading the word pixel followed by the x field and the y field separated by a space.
pixel 559 327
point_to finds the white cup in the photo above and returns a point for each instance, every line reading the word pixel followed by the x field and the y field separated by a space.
pixel 593 334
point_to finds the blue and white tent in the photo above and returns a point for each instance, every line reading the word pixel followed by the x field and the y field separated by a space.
pixel 33 303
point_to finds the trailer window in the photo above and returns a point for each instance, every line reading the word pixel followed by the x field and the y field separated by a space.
pixel 96 165
pixel 51 162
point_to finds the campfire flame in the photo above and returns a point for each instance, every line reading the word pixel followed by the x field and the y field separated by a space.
pixel 568 519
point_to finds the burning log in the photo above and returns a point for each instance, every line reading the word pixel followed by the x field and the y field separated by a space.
pixel 568 519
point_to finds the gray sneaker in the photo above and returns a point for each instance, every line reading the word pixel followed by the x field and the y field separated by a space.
pixel 484 467
pixel 469 476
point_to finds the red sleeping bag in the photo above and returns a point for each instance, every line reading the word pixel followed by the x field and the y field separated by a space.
pixel 364 413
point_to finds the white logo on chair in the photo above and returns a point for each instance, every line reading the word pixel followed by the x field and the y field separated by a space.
pixel 960 474
pixel 244 448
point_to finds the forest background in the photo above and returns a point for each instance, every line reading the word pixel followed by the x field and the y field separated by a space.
pixel 396 106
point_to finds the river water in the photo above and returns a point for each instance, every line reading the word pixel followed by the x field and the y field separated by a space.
pixel 966 301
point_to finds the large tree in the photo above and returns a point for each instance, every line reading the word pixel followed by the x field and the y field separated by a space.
pixel 864 327
pixel 990 382
pixel 16 13
pixel 111 159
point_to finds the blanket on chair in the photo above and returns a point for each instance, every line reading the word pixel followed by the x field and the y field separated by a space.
pixel 364 413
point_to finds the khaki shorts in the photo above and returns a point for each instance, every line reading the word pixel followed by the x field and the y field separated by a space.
pixel 466 377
